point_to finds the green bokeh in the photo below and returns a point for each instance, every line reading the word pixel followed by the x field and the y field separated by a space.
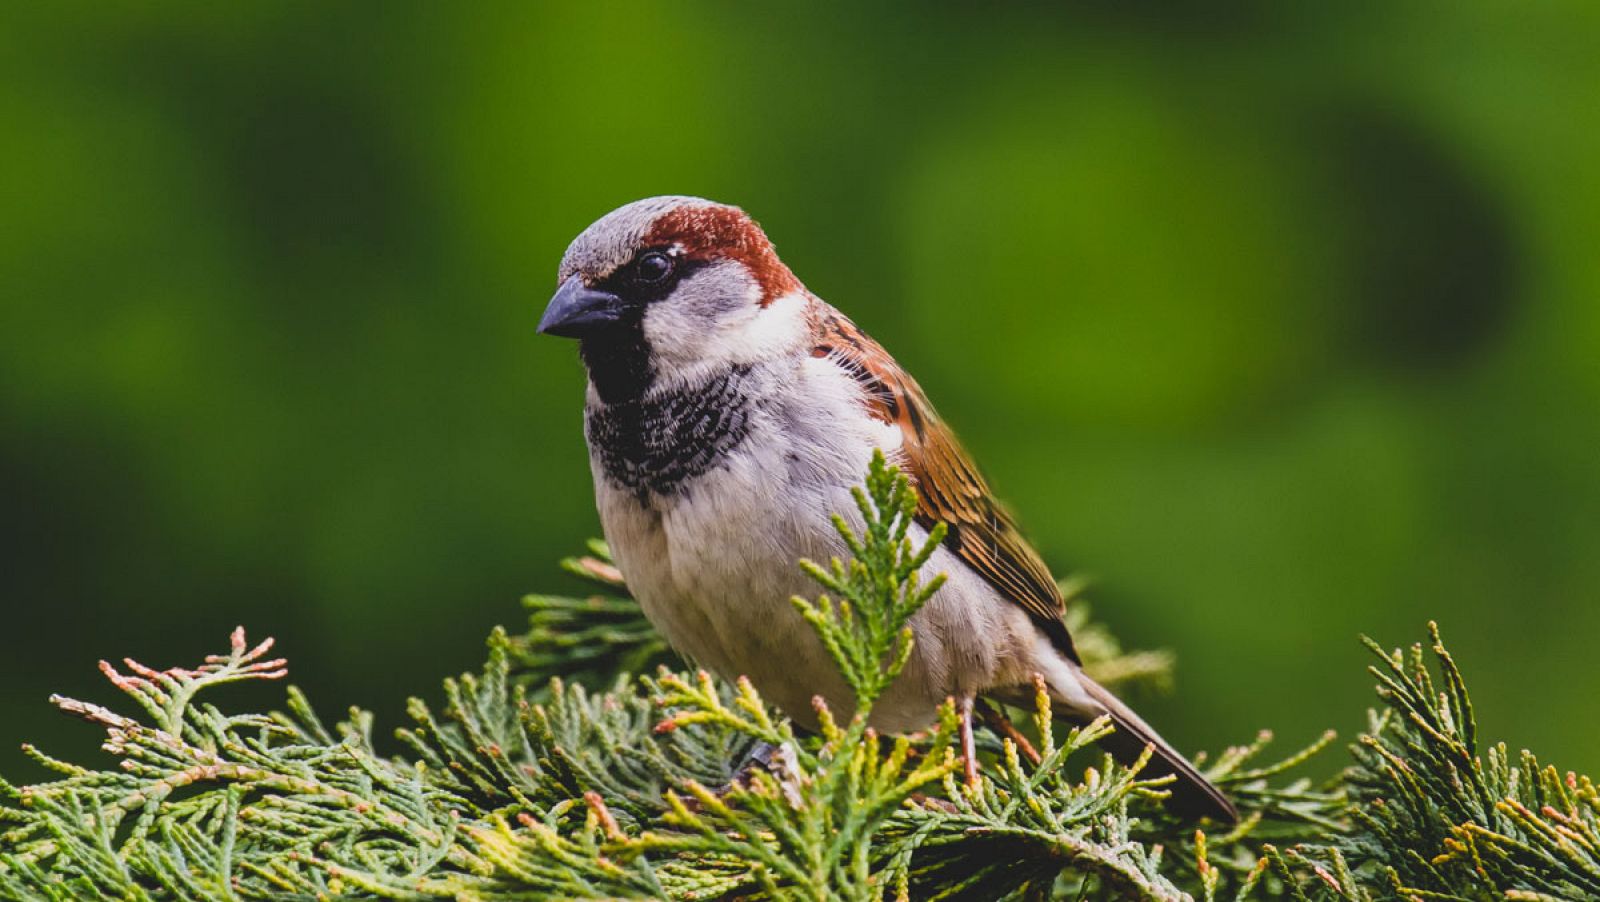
pixel 1283 322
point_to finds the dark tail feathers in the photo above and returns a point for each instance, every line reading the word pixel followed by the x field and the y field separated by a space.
pixel 1192 794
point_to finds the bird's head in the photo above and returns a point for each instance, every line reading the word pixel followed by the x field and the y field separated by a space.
pixel 670 287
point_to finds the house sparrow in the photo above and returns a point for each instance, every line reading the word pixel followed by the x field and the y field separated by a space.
pixel 729 414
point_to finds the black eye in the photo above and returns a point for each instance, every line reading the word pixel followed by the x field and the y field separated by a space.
pixel 653 268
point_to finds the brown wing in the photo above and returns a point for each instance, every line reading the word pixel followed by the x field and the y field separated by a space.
pixel 949 488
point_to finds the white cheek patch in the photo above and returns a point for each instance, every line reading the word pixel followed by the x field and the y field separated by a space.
pixel 759 332
pixel 682 328
pixel 714 319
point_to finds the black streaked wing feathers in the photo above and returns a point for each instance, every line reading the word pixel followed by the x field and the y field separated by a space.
pixel 949 488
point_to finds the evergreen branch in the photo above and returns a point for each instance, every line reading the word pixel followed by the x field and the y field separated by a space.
pixel 1439 820
pixel 867 632
pixel 565 769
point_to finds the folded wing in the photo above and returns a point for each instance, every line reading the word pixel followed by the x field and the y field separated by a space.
pixel 949 488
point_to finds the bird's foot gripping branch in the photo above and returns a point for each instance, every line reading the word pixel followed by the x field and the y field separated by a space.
pixel 554 773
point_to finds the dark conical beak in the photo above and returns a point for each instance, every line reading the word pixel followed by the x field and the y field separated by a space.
pixel 578 310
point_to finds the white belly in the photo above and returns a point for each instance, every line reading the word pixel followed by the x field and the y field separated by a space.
pixel 715 564
pixel 714 568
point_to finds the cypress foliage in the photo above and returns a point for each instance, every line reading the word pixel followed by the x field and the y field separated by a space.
pixel 583 762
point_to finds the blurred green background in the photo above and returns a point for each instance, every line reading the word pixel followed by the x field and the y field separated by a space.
pixel 1282 321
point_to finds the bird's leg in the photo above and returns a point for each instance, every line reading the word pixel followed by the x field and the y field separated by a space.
pixel 759 756
pixel 969 750
pixel 775 760
pixel 995 717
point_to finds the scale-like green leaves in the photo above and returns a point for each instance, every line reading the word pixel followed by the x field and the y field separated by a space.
pixel 576 766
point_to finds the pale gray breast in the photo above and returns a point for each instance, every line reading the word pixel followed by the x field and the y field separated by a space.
pixel 710 497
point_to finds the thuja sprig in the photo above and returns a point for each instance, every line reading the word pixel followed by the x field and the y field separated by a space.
pixel 1036 823
pixel 610 785
pixel 699 701
pixel 866 625
pixel 810 822
pixel 166 694
pixel 1438 818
